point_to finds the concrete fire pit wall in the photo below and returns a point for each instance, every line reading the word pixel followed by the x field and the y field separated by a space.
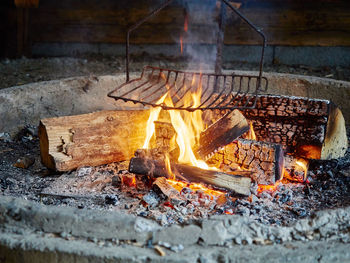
pixel 29 103
pixel 15 213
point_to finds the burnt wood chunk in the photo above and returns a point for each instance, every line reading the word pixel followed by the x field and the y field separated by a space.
pixel 232 125
pixel 309 128
pixel 239 182
pixel 91 139
pixel 264 159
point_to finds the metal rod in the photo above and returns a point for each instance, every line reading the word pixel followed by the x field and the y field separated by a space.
pixel 259 31
pixel 220 38
pixel 132 28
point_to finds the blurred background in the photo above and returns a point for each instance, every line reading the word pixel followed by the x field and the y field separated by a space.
pixel 49 39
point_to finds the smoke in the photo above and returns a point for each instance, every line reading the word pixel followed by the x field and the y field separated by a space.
pixel 199 41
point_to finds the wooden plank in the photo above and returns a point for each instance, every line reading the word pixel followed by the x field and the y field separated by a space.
pixel 294 23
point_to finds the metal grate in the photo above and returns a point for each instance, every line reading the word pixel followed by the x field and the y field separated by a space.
pixel 218 91
pixel 221 92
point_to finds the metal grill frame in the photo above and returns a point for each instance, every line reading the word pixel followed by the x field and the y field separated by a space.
pixel 225 99
pixel 157 10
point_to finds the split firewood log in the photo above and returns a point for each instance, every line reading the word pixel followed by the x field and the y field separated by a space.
pixel 239 182
pixel 265 160
pixel 228 128
pixel 67 143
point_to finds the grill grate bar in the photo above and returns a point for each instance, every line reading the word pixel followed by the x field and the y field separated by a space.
pixel 221 92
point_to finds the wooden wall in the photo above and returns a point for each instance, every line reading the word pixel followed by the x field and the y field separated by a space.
pixel 285 22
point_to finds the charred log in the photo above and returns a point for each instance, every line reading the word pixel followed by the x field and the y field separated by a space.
pixel 222 132
pixel 309 128
pixel 264 159
pixel 238 182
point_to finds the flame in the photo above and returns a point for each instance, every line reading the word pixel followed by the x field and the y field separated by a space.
pixel 181 45
pixel 168 167
pixel 187 125
pixel 185 30
pixel 251 134
pixel 186 23
pixel 303 164
pixel 184 134
pixel 154 114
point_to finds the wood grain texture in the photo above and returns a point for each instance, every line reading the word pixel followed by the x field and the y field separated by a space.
pixel 264 160
pixel 91 139
pixel 294 23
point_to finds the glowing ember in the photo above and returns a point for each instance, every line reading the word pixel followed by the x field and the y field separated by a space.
pixel 180 185
pixel 268 188
pixel 129 180
pixel 185 30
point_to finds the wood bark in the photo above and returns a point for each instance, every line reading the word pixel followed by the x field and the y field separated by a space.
pixel 238 183
pixel 92 139
pixel 264 160
pixel 309 128
pixel 232 125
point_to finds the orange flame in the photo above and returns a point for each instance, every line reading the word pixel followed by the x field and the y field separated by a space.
pixel 181 45
pixel 185 29
pixel 183 137
pixel 187 125
pixel 186 23
pixel 168 167
pixel 304 165
pixel 154 114
pixel 251 134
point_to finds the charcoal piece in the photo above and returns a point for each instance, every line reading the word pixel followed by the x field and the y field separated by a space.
pixel 111 199
pixel 116 181
pixel 24 162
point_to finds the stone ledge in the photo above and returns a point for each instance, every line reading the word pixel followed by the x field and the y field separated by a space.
pixel 218 230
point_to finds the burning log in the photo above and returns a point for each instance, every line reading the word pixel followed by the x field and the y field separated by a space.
pixel 264 159
pixel 219 147
pixel 309 128
pixel 222 132
pixel 91 139
pixel 237 182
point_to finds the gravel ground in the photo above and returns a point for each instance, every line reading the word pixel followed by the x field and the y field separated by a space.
pixel 24 70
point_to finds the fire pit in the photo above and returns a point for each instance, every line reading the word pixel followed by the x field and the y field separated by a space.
pixel 88 208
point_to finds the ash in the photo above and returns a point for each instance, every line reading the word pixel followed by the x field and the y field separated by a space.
pixel 112 187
